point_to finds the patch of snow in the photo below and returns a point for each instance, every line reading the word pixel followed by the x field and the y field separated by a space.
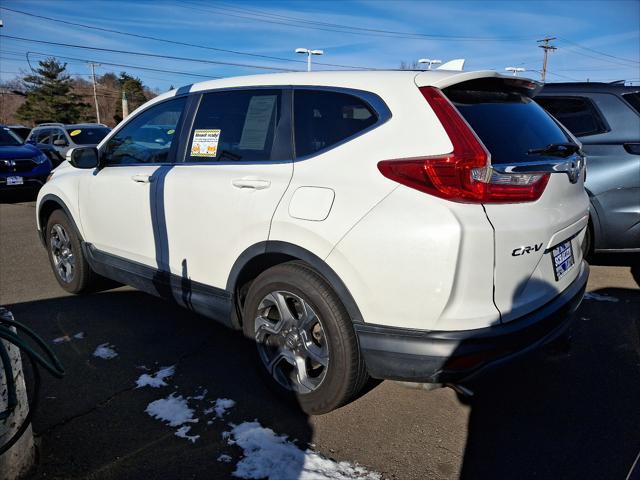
pixel 156 380
pixel 105 351
pixel 201 396
pixel 600 297
pixel 173 410
pixel 222 405
pixel 79 335
pixel 63 339
pixel 183 431
pixel 272 456
pixel 224 458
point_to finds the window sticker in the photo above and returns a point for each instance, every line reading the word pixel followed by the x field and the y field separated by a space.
pixel 205 143
pixel 75 132
pixel 257 122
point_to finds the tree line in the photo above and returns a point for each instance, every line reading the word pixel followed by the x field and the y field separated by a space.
pixel 50 94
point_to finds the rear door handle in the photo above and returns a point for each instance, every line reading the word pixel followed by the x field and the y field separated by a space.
pixel 255 183
pixel 141 178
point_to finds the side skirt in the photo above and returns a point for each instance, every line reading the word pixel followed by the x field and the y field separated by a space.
pixel 211 302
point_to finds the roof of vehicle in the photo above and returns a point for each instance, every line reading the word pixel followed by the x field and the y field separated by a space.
pixel 371 80
pixel 617 88
pixel 71 125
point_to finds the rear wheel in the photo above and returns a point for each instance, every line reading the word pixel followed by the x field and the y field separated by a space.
pixel 305 342
pixel 65 254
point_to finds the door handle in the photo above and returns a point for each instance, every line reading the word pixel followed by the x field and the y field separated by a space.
pixel 141 178
pixel 254 183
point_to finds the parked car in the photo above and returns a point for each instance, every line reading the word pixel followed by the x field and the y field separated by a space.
pixel 20 130
pixel 605 117
pixel 416 226
pixel 57 137
pixel 21 165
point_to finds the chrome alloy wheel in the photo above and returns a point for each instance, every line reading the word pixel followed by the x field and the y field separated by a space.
pixel 63 259
pixel 291 342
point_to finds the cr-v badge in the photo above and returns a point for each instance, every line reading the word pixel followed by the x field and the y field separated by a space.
pixel 524 250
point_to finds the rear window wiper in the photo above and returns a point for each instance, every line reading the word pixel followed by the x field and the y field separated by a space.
pixel 556 149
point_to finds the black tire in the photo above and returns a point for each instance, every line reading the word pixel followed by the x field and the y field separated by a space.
pixel 82 278
pixel 346 374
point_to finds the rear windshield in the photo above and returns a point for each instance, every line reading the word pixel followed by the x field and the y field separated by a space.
pixel 509 123
pixel 87 135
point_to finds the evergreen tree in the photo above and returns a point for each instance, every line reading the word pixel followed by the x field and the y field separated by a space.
pixel 50 96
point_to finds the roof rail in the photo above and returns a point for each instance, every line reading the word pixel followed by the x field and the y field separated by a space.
pixel 51 124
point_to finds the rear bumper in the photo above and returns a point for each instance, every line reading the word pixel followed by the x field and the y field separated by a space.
pixel 452 356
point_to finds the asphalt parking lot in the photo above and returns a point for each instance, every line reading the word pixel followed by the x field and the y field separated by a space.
pixel 551 415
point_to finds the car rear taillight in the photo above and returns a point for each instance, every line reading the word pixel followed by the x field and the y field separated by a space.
pixel 465 174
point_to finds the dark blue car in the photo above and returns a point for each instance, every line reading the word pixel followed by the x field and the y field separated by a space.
pixel 21 164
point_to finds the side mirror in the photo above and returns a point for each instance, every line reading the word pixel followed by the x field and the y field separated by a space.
pixel 60 143
pixel 84 157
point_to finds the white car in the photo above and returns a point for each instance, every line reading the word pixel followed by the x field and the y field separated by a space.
pixel 417 226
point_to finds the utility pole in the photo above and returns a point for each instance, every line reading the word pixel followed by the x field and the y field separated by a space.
pixel 546 47
pixel 95 93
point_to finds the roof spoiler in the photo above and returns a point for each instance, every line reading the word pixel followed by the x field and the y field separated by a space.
pixel 456 65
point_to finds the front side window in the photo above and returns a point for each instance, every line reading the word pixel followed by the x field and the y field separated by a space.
pixel 43 136
pixel 323 118
pixel 235 126
pixel 578 114
pixel 58 138
pixel 148 137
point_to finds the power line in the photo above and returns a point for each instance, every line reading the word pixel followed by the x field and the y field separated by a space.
pixel 597 51
pixel 175 42
pixel 133 67
pixel 573 50
pixel 263 16
pixel 143 54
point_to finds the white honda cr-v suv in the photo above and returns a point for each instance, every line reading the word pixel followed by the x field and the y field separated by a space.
pixel 417 226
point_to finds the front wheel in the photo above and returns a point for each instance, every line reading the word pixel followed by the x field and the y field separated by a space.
pixel 305 342
pixel 65 254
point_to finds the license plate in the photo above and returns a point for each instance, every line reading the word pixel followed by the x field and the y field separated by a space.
pixel 562 257
pixel 15 181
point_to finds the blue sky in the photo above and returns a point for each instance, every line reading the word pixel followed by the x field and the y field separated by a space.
pixel 597 40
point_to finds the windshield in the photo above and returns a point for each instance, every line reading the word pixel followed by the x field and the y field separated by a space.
pixel 9 139
pixel 512 126
pixel 87 135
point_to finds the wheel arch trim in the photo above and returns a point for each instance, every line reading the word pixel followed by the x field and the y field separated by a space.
pixel 298 253
pixel 46 200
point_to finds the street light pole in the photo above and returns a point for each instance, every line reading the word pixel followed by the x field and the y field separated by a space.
pixel 514 70
pixel 430 62
pixel 308 52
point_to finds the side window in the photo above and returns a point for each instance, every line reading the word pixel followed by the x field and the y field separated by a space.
pixel 43 136
pixel 235 126
pixel 633 99
pixel 57 135
pixel 148 137
pixel 323 118
pixel 578 114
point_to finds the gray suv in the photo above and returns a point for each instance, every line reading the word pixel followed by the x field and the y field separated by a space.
pixel 606 119
pixel 61 137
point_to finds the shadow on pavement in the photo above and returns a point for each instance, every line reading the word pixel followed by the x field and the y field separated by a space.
pixel 616 259
pixel 19 195
pixel 93 422
pixel 564 415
